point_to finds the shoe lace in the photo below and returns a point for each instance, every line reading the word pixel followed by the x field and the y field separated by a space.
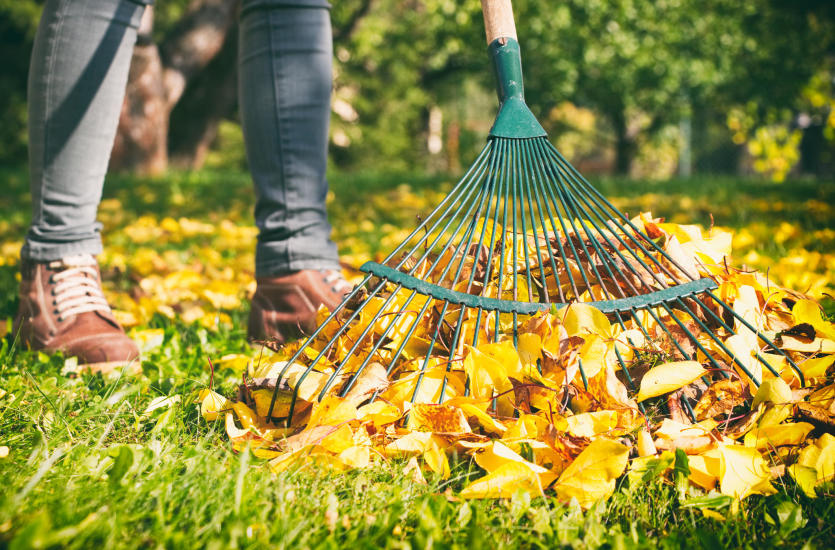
pixel 338 283
pixel 77 289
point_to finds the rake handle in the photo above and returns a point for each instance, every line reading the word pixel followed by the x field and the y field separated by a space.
pixel 498 20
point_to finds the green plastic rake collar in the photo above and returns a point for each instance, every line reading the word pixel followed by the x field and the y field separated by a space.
pixel 515 119
pixel 622 305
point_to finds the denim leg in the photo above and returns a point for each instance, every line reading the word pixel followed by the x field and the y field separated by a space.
pixel 285 69
pixel 77 77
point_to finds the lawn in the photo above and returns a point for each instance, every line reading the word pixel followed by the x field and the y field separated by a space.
pixel 89 463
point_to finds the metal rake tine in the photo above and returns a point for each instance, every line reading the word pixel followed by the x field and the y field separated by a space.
pixel 537 195
pixel 462 184
pixel 526 156
pixel 601 216
pixel 593 192
pixel 548 188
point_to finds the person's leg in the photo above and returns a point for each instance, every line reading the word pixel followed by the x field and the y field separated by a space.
pixel 285 69
pixel 77 79
pixel 285 87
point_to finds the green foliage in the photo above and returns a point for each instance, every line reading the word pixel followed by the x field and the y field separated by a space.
pixel 640 66
pixel 18 22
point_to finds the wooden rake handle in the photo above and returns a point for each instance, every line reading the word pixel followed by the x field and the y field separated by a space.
pixel 498 19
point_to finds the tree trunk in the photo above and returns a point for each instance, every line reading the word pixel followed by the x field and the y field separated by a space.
pixel 211 97
pixel 625 145
pixel 140 144
pixel 159 77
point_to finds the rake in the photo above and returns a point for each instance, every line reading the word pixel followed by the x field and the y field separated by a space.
pixel 520 233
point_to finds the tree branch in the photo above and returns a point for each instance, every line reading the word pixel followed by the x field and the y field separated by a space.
pixel 193 42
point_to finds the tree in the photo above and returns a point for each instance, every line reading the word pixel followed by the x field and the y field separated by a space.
pixel 643 65
pixel 159 78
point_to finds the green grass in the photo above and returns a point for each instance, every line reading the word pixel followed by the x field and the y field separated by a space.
pixel 87 468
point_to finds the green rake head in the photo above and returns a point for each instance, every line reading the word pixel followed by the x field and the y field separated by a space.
pixel 522 232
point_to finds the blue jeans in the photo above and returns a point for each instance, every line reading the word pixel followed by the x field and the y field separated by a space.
pixel 77 81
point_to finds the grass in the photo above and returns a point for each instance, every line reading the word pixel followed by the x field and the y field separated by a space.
pixel 88 467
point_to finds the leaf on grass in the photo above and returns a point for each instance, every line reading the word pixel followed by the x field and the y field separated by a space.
pixel 820 455
pixel 212 404
pixel 743 472
pixel 591 476
pixel 506 480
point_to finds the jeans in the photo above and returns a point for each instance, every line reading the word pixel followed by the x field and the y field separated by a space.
pixel 77 81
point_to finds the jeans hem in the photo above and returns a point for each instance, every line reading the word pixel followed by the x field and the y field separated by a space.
pixel 48 252
pixel 276 268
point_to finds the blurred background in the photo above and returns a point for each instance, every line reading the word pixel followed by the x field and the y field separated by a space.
pixel 648 90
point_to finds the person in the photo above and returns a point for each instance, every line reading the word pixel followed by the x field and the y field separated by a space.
pixel 77 79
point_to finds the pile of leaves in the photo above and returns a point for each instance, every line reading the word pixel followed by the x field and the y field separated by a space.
pixel 570 402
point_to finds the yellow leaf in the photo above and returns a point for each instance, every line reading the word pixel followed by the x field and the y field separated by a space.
pixel 148 339
pixel 372 379
pixel 743 348
pixel 705 469
pixel 775 391
pixel 505 480
pixel 233 361
pixel 212 404
pixel 712 514
pixel 494 457
pixel 816 367
pixel 668 377
pixel 436 459
pixel 818 345
pixel 645 445
pixel 379 413
pixel 438 418
pixel 806 478
pixel 823 397
pixel 529 346
pixel 432 384
pixel 331 411
pixel 592 475
pixel 592 423
pixel 340 439
pixel 412 443
pixel 821 457
pixel 479 412
pixel 743 472
pixel 263 398
pixel 356 457
pixel 580 319
pixel 808 311
pixel 792 433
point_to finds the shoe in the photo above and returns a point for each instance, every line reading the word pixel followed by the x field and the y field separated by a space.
pixel 62 308
pixel 284 307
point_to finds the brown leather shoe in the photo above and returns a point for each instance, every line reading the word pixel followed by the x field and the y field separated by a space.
pixel 284 307
pixel 62 308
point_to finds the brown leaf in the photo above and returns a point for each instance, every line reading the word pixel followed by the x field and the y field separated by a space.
pixel 372 379
pixel 803 332
pixel 819 416
pixel 721 398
